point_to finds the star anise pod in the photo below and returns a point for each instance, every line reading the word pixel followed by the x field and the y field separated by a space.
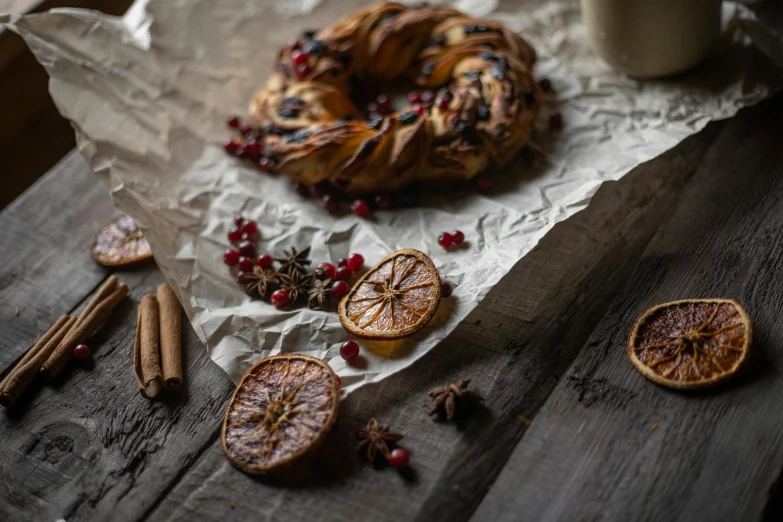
pixel 376 439
pixel 447 398
pixel 294 261
pixel 296 284
pixel 260 281
pixel 318 295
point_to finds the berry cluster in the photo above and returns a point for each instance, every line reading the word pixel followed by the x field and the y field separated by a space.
pixel 447 240
pixel 249 145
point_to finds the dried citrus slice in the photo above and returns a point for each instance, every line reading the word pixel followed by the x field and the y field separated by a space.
pixel 283 407
pixel 396 298
pixel 120 242
pixel 692 343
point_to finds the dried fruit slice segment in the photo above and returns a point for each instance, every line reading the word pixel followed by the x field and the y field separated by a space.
pixel 395 299
pixel 692 343
pixel 120 242
pixel 283 407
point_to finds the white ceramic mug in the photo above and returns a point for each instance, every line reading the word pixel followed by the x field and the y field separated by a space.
pixel 648 38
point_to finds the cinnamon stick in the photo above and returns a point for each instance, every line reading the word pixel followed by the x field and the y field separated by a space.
pixel 89 320
pixel 35 349
pixel 103 292
pixel 24 373
pixel 146 363
pixel 170 337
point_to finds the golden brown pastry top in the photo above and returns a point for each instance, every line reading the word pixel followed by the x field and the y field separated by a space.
pixel 486 99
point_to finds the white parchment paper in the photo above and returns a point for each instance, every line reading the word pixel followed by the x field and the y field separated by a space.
pixel 148 96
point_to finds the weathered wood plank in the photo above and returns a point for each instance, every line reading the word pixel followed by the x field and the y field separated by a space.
pixel 610 445
pixel 515 346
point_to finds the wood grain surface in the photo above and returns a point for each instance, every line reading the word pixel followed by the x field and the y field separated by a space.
pixel 89 447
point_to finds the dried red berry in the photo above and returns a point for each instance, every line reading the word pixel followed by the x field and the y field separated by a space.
pixel 239 221
pixel 445 240
pixel 235 235
pixel 399 458
pixel 245 264
pixel 231 147
pixel 340 288
pixel 360 208
pixel 442 103
pixel 445 289
pixel 280 298
pixel 265 164
pixel 325 271
pixel 383 202
pixel 231 257
pixel 349 350
pixel 355 262
pixel 420 110
pixel 555 120
pixel 484 184
pixel 384 104
pixel 426 98
pixel 414 97
pixel 264 261
pixel 247 249
pixel 250 228
pixel 330 203
pixel 252 149
pixel 303 71
pixel 458 237
pixel 343 274
pixel 245 129
pixel 299 57
pixel 343 261
pixel 82 352
pixel 233 122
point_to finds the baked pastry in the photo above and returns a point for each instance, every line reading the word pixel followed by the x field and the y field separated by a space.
pixel 482 115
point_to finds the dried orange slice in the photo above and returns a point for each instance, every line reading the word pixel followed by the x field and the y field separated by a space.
pixel 119 243
pixel 692 343
pixel 395 299
pixel 283 407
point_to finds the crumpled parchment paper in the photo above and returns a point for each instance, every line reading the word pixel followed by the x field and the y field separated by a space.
pixel 148 96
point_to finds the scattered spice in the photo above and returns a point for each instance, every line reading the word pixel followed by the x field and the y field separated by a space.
pixel 376 439
pixel 319 293
pixel 261 281
pixel 294 261
pixel 447 399
pixel 296 284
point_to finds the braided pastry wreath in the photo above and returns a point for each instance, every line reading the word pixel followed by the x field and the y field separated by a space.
pixel 486 103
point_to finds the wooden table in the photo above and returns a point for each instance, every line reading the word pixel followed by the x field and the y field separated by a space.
pixel 569 431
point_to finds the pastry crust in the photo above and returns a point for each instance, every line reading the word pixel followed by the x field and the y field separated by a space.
pixel 312 131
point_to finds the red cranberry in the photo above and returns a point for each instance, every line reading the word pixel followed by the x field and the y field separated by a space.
pixel 399 458
pixel 442 103
pixel 302 189
pixel 383 202
pixel 484 184
pixel 326 271
pixel 245 264
pixel 445 289
pixel 360 208
pixel 82 352
pixel 280 298
pixel 235 235
pixel 445 240
pixel 330 203
pixel 318 191
pixel 420 110
pixel 239 221
pixel 343 274
pixel 414 97
pixel 264 261
pixel 266 165
pixel 545 84
pixel 247 249
pixel 245 129
pixel 355 262
pixel 555 120
pixel 250 228
pixel 231 146
pixel 340 288
pixel 303 71
pixel 384 103
pixel 233 122
pixel 426 98
pixel 231 257
pixel 349 350
pixel 343 261
pixel 240 277
pixel 252 149
pixel 247 237
pixel 458 237
pixel 299 57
